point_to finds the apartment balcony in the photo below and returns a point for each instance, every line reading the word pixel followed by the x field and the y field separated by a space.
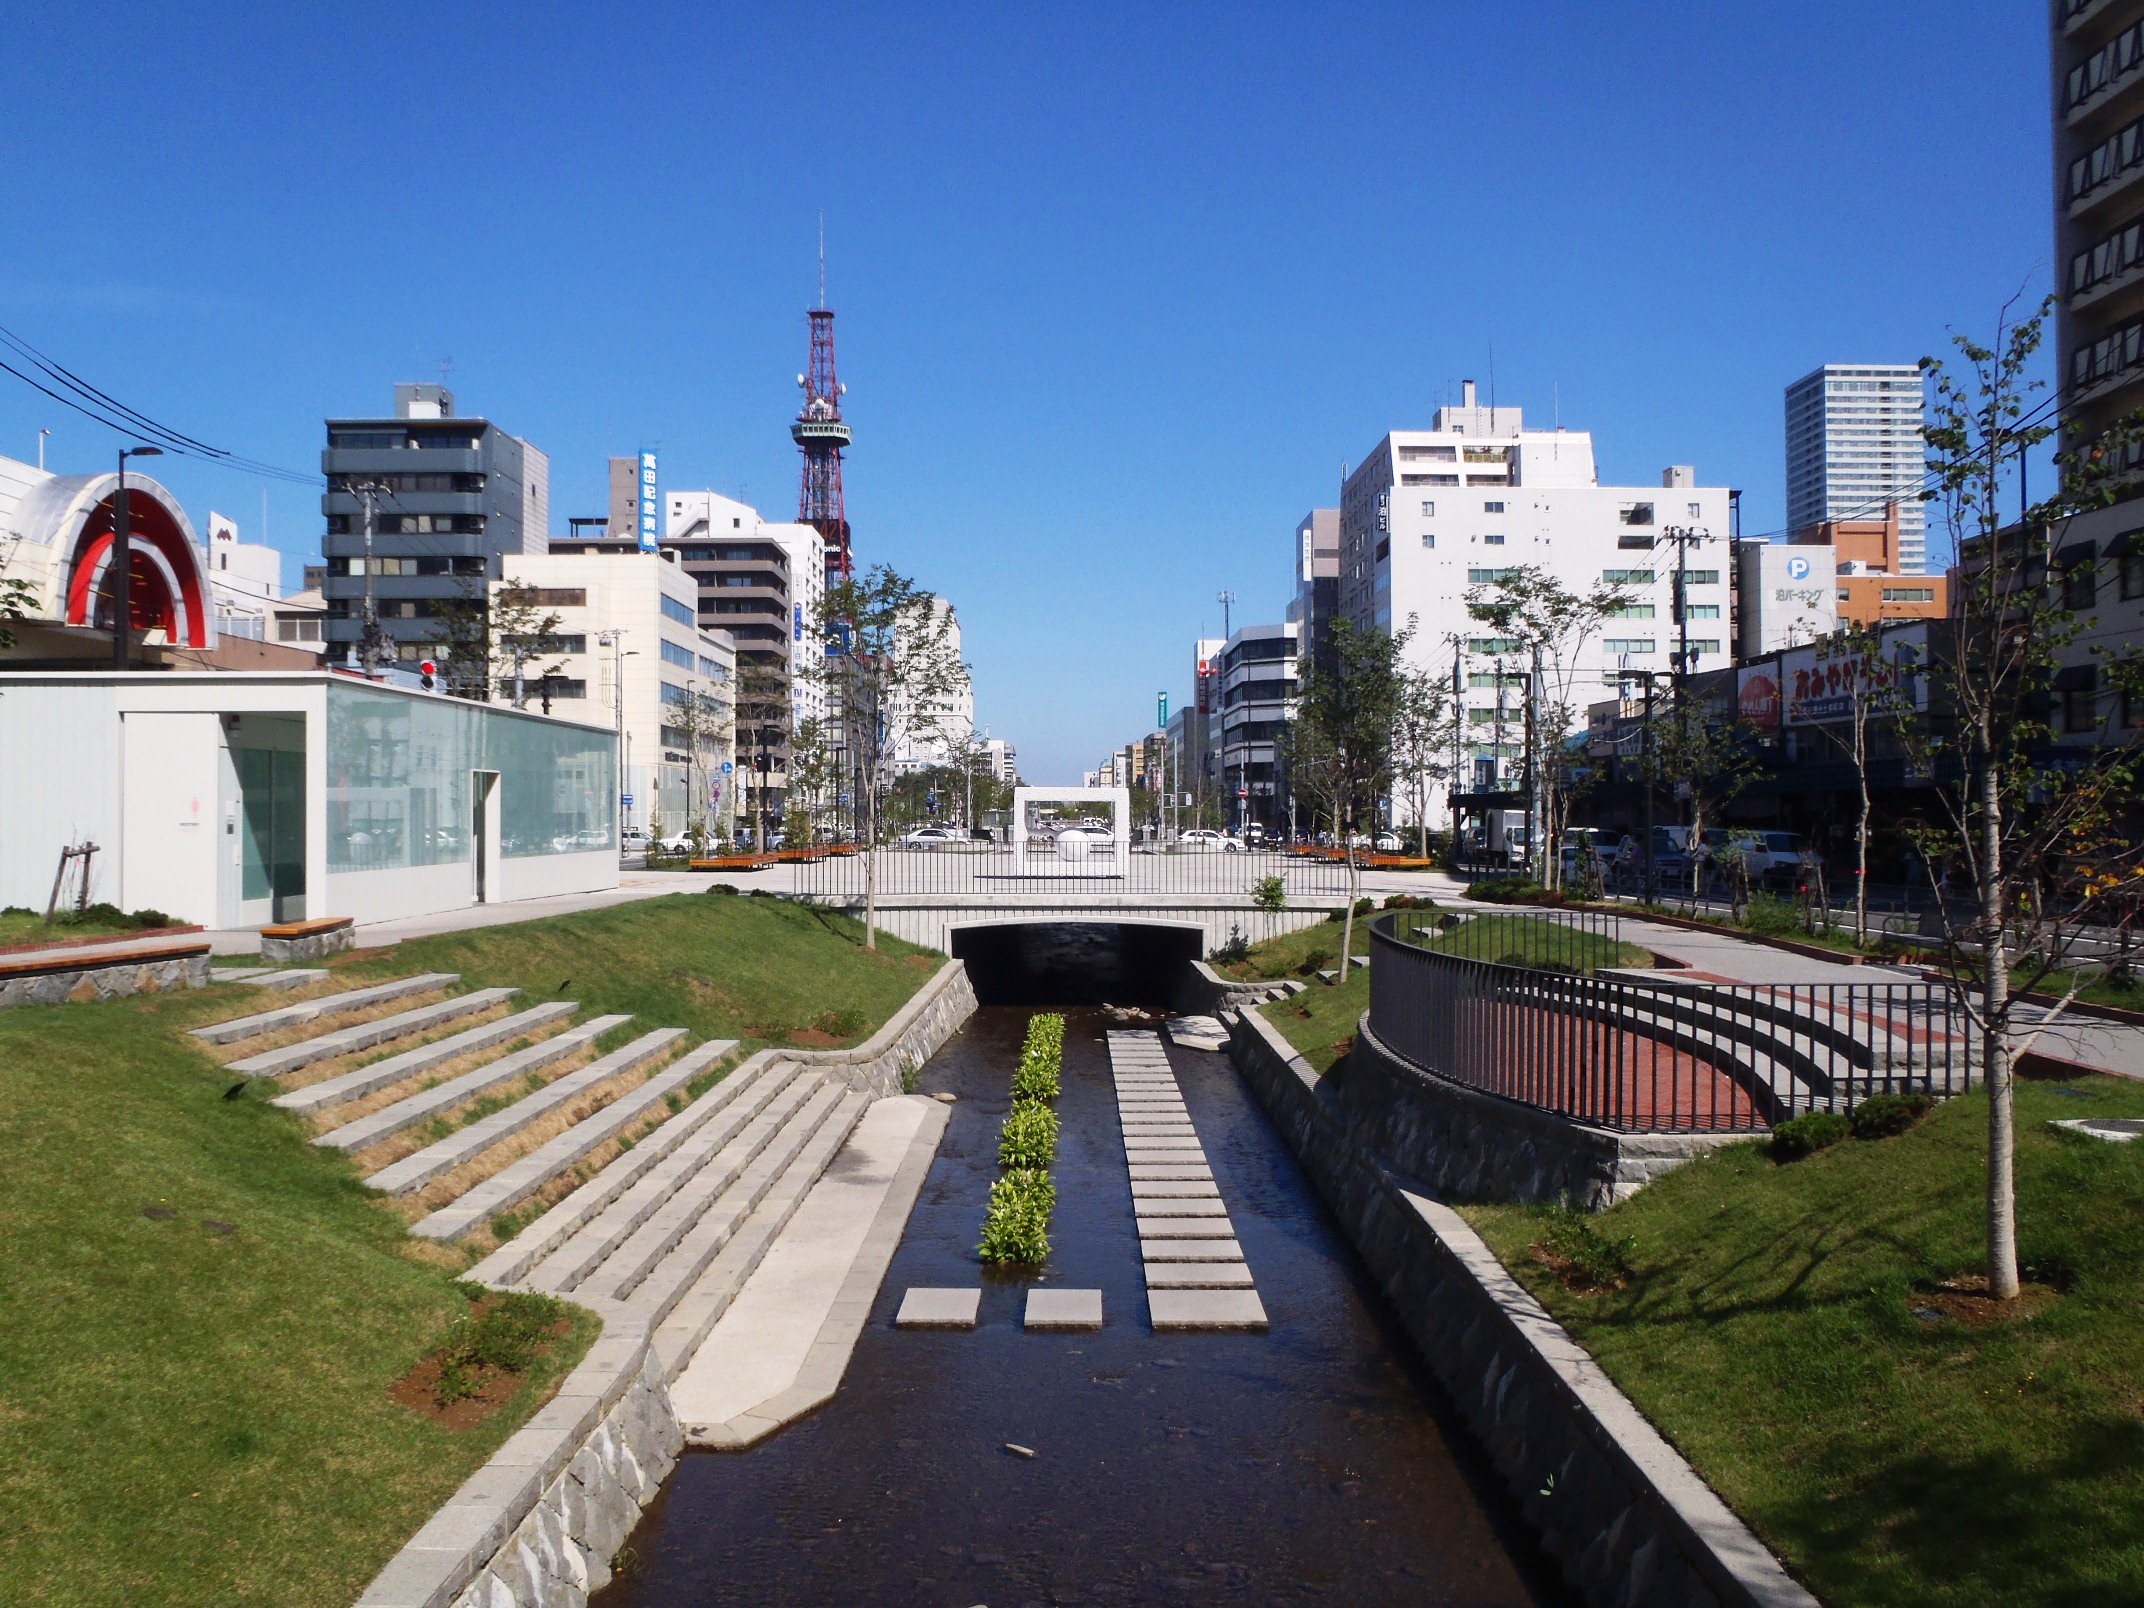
pixel 2081 14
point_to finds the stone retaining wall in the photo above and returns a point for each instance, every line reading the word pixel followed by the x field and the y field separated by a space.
pixel 537 1526
pixel 1465 1142
pixel 1629 1521
pixel 47 982
pixel 308 946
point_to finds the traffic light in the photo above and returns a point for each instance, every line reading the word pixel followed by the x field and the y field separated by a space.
pixel 427 674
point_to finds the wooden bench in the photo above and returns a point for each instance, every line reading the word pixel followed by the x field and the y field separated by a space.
pixel 56 979
pixel 286 941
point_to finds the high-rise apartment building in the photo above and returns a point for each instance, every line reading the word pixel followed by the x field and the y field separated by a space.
pixel 1317 577
pixel 451 498
pixel 1431 515
pixel 1853 446
pixel 2098 62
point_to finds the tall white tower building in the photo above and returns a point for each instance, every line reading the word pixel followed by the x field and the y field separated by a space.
pixel 1853 444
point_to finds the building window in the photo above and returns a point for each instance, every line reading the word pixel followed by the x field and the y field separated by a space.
pixel 1435 454
pixel 1907 594
pixel 1702 611
pixel 1429 480
pixel 2080 585
pixel 1635 513
pixel 2132 575
pixel 1628 577
pixel 1492 507
pixel 1384 549
pixel 1492 541
pixel 1429 510
pixel 1704 645
pixel 680 612
pixel 1701 577
pixel 547 597
pixel 2080 707
pixel 1428 539
pixel 684 658
pixel 1486 577
pixel 1635 611
pixel 1621 645
pixel 1633 539
pixel 1697 510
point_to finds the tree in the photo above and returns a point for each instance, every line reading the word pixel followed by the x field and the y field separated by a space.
pixel 763 717
pixel 1348 713
pixel 1707 757
pixel 1877 700
pixel 893 671
pixel 2038 834
pixel 487 634
pixel 698 718
pixel 1550 623
pixel 1421 744
pixel 814 773
pixel 18 599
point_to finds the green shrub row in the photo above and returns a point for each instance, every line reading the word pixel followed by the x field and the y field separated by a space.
pixel 1878 1117
pixel 1016 1223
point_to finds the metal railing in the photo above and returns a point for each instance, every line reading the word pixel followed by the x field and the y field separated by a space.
pixel 1647 1054
pixel 1093 866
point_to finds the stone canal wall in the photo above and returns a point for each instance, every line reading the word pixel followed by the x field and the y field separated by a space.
pixel 1628 1520
pixel 537 1526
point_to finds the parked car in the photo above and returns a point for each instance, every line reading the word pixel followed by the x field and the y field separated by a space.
pixel 1390 843
pixel 929 837
pixel 1774 859
pixel 1589 852
pixel 676 843
pixel 1205 839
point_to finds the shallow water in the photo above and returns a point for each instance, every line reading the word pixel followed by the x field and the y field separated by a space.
pixel 1313 1463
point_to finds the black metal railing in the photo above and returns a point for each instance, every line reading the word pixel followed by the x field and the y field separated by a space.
pixel 1082 865
pixel 1549 1021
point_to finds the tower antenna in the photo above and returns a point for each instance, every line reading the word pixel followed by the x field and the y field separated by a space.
pixel 821 436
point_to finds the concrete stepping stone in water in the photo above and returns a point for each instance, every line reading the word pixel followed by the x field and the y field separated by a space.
pixel 1064 1309
pixel 926 1308
pixel 1196 1276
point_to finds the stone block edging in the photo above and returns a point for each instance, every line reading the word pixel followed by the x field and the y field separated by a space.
pixel 46 980
pixel 1629 1520
pixel 537 1525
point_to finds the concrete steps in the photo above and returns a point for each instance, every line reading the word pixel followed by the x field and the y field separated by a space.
pixel 356 1085
pixel 311 1010
pixel 364 1035
pixel 519 1179
pixel 414 1171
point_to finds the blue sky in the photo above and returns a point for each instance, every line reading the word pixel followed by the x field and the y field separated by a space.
pixel 1120 288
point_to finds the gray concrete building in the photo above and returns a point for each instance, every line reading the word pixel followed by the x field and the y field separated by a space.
pixel 452 497
pixel 1854 448
pixel 2097 57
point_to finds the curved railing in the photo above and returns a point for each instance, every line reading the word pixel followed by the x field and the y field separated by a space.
pixel 1546 1024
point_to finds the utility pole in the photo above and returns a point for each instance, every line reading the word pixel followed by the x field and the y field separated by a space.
pixel 1228 601
pixel 1684 537
pixel 614 639
pixel 371 639
pixel 120 566
pixel 1645 738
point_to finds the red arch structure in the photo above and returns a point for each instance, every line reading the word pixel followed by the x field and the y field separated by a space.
pixel 165 586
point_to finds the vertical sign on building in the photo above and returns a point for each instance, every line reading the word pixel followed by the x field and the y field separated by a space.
pixel 649 528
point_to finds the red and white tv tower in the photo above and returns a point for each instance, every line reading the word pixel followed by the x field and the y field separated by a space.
pixel 820 436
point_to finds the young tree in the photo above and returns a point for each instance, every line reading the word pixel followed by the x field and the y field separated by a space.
pixel 2041 843
pixel 18 598
pixel 1421 744
pixel 502 631
pixel 764 707
pixel 1877 700
pixel 893 671
pixel 814 774
pixel 1348 714
pixel 699 718
pixel 1707 758
pixel 1551 623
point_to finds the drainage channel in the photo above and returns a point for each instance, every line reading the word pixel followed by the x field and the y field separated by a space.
pixel 1312 1463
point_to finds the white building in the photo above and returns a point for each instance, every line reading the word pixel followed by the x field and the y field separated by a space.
pixel 936 733
pixel 1432 513
pixel 245 580
pixel 1001 759
pixel 1785 595
pixel 630 654
pixel 1853 445
pixel 724 541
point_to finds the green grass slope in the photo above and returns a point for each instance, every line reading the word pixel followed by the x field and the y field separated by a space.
pixel 1770 1330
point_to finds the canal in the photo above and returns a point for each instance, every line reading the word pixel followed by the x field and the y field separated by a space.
pixel 1314 1463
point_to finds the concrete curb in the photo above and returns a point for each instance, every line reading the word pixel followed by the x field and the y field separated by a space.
pixel 836 1340
pixel 1629 1520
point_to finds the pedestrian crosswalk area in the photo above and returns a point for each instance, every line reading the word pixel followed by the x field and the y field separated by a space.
pixel 1196 1277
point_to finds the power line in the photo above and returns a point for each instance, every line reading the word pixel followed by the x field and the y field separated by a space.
pixel 95 404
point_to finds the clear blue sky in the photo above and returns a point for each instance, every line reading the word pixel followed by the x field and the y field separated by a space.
pixel 1120 287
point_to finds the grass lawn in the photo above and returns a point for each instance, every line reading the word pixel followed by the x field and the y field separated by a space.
pixel 190 1416
pixel 1523 941
pixel 1769 1329
pixel 21 926
pixel 726 966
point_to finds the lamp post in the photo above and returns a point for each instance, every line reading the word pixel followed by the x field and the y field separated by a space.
pixel 121 563
pixel 614 639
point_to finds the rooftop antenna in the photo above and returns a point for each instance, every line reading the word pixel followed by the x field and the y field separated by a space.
pixel 822 256
pixel 1492 379
pixel 1555 391
pixel 446 367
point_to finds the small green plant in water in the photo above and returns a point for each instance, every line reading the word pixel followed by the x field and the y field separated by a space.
pixel 1030 1137
pixel 1016 1224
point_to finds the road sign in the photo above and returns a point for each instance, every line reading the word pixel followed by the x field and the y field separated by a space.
pixel 725 767
pixel 625 801
pixel 1161 700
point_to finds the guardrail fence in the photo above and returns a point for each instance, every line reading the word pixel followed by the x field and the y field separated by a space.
pixel 1530 1007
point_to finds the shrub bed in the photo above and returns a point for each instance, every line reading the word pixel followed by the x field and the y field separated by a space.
pixel 1016 1223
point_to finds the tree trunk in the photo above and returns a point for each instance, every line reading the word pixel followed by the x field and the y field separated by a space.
pixel 1354 884
pixel 1861 866
pixel 869 817
pixel 1995 1053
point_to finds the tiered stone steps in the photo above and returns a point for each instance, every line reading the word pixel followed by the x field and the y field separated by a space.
pixel 667 1229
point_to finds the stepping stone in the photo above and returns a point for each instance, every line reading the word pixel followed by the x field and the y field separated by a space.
pixel 926 1308
pixel 1141 1144
pixel 1064 1309
pixel 1150 1173
pixel 1206 1309
pixel 1198 1033
pixel 1190 1250
pixel 1198 1276
pixel 1179 1207
pixel 1159 1130
pixel 1170 1229
pixel 1173 1191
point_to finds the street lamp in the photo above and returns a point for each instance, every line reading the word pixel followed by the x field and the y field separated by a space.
pixel 122 562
